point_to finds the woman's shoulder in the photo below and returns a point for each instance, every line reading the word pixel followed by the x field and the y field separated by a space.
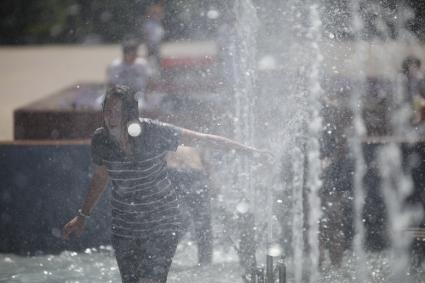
pixel 99 132
pixel 100 135
pixel 154 122
pixel 149 123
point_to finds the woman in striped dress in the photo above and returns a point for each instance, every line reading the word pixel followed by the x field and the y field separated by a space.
pixel 130 152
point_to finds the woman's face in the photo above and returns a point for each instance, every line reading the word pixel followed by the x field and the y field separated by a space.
pixel 112 114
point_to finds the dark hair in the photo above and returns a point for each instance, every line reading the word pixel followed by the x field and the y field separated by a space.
pixel 130 107
pixel 129 45
pixel 408 61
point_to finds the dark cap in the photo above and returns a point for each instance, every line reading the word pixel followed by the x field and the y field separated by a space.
pixel 130 45
pixel 408 61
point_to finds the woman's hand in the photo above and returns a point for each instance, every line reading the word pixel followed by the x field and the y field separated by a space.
pixel 264 154
pixel 97 186
pixel 76 225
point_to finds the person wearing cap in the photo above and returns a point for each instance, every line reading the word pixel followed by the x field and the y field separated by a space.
pixel 130 70
pixel 146 218
pixel 414 86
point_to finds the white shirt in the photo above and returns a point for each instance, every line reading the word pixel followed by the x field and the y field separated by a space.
pixel 134 75
pixel 154 32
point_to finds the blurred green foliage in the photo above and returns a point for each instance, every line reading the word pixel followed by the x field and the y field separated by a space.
pixel 69 21
pixel 96 21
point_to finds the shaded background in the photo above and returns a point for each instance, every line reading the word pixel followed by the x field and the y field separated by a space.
pixel 97 21
pixel 79 21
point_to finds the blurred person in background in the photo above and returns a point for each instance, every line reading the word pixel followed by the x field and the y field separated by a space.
pixel 147 221
pixel 153 34
pixel 415 86
pixel 130 70
pixel 187 173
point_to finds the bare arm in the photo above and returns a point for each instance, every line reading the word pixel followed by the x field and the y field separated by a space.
pixel 196 139
pixel 97 187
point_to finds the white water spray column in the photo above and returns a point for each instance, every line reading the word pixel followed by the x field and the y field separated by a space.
pixel 244 67
pixel 356 145
pixel 396 174
pixel 315 129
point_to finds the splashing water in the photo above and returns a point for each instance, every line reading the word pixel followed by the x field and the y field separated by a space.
pixel 314 169
pixel 281 111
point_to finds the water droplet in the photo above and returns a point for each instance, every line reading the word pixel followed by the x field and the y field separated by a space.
pixel 242 207
pixel 213 14
pixel 275 250
pixel 134 129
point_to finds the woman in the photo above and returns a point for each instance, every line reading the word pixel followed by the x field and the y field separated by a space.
pixel 146 220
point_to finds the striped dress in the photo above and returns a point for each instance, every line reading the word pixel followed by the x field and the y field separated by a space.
pixel 143 200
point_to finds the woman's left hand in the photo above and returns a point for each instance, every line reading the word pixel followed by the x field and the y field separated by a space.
pixel 265 155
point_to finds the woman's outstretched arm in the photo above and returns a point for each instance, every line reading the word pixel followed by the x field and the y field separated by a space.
pixel 197 139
